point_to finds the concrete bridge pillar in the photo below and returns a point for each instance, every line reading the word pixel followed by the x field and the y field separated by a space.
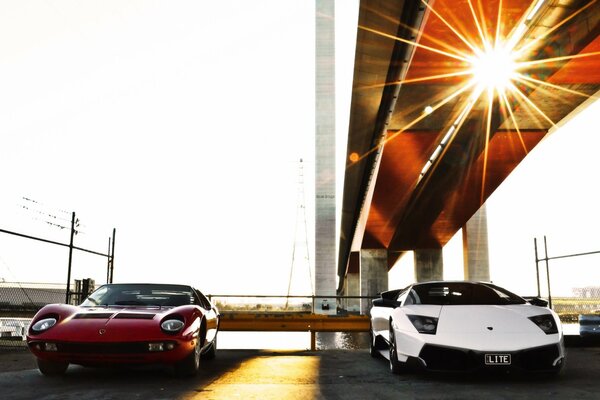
pixel 429 265
pixel 351 286
pixel 475 247
pixel 373 275
pixel 325 186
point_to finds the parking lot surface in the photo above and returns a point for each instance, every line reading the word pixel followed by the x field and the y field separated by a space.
pixel 326 374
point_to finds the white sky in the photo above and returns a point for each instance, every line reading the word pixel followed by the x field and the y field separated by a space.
pixel 553 192
pixel 179 123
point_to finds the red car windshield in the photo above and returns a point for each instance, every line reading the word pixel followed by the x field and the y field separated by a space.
pixel 140 295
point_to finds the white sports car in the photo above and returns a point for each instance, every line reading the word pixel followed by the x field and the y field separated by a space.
pixel 465 326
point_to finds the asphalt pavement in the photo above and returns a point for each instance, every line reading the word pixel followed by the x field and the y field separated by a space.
pixel 325 374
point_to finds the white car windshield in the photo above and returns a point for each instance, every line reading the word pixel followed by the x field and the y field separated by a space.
pixel 461 293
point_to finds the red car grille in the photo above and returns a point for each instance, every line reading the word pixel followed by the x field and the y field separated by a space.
pixel 103 348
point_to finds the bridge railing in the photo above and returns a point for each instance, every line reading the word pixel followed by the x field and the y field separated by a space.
pixel 266 313
pixel 344 305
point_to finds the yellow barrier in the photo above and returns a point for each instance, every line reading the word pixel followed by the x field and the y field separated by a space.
pixel 293 322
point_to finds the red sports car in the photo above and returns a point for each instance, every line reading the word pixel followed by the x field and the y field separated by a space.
pixel 172 325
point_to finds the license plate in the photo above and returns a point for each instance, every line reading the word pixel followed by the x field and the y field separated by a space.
pixel 497 359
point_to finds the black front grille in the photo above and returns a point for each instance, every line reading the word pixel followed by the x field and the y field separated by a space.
pixel 447 359
pixel 442 358
pixel 539 358
pixel 103 348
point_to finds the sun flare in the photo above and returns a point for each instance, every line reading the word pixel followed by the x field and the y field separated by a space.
pixel 494 68
pixel 500 60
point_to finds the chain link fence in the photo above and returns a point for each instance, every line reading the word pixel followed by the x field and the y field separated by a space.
pixel 19 301
pixel 583 301
pixel 571 283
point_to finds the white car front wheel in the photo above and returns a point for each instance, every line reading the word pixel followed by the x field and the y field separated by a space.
pixel 373 350
pixel 396 366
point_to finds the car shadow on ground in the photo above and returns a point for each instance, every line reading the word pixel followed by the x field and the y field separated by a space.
pixel 121 381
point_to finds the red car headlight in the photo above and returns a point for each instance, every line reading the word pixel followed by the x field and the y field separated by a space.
pixel 43 324
pixel 172 325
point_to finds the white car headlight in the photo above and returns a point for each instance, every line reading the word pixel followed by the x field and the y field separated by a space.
pixel 546 323
pixel 43 325
pixel 171 325
pixel 424 324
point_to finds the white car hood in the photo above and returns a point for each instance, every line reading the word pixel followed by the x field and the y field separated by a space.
pixel 490 328
pixel 482 318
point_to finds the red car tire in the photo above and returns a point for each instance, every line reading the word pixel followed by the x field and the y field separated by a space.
pixel 51 368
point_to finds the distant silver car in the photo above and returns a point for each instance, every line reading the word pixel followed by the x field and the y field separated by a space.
pixel 589 324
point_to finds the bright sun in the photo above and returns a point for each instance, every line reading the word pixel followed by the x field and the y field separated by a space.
pixel 494 68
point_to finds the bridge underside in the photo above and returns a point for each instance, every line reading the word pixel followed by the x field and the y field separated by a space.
pixel 415 177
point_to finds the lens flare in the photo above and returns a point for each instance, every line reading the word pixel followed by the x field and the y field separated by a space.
pixel 494 68
pixel 501 66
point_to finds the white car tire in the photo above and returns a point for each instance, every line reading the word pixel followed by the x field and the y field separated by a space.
pixel 396 367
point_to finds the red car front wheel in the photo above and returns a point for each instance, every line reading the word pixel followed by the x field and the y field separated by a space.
pixel 190 365
pixel 52 368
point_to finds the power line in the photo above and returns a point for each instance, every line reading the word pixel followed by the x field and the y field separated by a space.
pixel 14 277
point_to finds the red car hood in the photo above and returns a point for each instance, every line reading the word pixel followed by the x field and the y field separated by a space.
pixel 109 324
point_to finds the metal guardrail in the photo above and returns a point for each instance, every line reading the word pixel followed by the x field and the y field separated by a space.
pixel 275 313
pixel 344 305
pixel 293 322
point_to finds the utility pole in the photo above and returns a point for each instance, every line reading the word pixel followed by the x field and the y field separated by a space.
pixel 112 256
pixel 74 226
pixel 68 293
pixel 547 272
pixel 108 262
pixel 537 267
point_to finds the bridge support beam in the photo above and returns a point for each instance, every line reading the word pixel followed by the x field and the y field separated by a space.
pixel 325 186
pixel 475 247
pixel 352 288
pixel 351 285
pixel 429 265
pixel 373 275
